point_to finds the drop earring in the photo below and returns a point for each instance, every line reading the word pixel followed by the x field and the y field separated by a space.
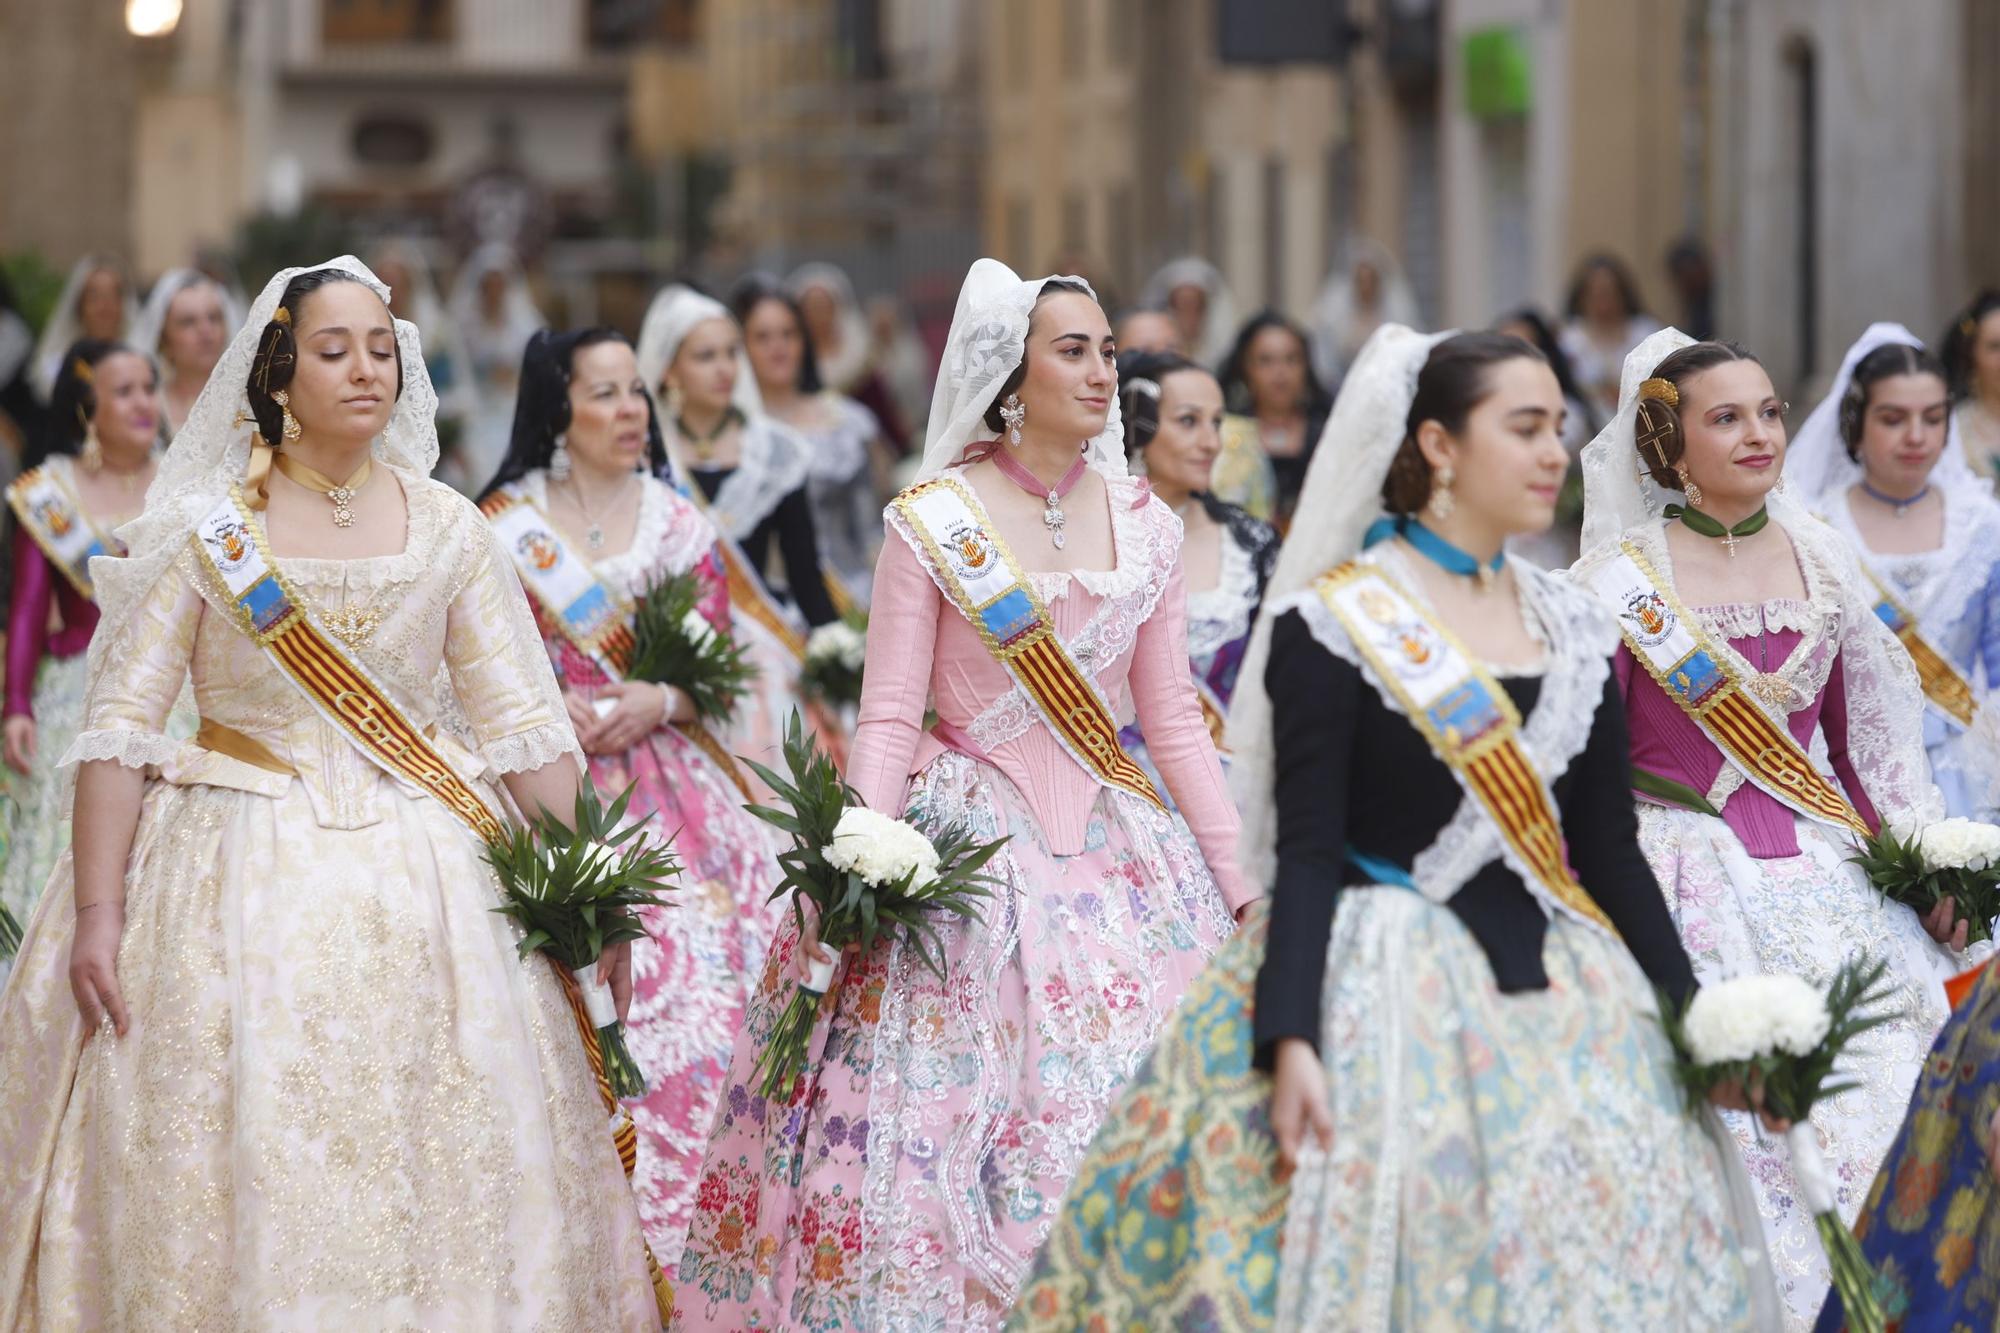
pixel 1014 412
pixel 1441 504
pixel 559 458
pixel 92 453
pixel 284 401
pixel 1688 488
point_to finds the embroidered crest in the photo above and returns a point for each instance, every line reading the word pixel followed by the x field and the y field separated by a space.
pixel 539 549
pixel 970 550
pixel 230 541
pixel 55 514
pixel 1651 619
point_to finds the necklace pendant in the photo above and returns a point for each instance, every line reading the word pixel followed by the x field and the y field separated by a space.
pixel 343 506
pixel 1729 541
pixel 1487 576
pixel 594 538
pixel 1053 519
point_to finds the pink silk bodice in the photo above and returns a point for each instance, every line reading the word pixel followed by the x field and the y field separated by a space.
pixel 37 585
pixel 1126 628
pixel 1668 742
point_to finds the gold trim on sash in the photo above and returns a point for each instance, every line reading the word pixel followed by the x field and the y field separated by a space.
pixel 35 525
pixel 1943 685
pixel 1032 652
pixel 1489 758
pixel 1765 751
pixel 342 691
pixel 611 647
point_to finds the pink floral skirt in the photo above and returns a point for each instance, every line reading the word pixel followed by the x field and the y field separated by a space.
pixel 925 1154
pixel 693 977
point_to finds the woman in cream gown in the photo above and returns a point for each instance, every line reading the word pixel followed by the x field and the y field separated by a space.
pixel 319 1089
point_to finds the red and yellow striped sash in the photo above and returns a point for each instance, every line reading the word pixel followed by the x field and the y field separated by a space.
pixel 976 571
pixel 1469 722
pixel 1943 685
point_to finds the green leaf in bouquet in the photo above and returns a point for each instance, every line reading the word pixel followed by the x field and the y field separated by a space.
pixel 709 668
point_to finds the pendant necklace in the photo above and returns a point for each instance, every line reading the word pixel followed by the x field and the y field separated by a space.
pixel 593 536
pixel 341 493
pixel 1052 516
pixel 1709 527
pixel 1896 504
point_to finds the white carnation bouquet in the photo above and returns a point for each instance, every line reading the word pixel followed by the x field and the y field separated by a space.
pixel 1957 859
pixel 1782 1039
pixel 863 873
pixel 835 655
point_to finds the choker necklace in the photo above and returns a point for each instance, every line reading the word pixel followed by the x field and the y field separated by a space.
pixel 340 492
pixel 1709 527
pixel 1052 517
pixel 1436 549
pixel 704 443
pixel 1898 505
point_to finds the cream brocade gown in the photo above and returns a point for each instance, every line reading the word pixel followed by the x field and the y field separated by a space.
pixel 343 1101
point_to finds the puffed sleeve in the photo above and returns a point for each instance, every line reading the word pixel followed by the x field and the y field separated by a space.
pixel 1313 700
pixel 27 622
pixel 500 667
pixel 1169 711
pixel 125 712
pixel 896 679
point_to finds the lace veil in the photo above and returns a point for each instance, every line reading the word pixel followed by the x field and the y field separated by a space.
pixel 841 366
pixel 65 328
pixel 1343 494
pixel 152 325
pixel 1218 322
pixel 989 337
pixel 1885 701
pixel 1817 463
pixel 212 451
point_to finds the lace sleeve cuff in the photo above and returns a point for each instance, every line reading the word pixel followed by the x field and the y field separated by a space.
pixel 525 751
pixel 125 745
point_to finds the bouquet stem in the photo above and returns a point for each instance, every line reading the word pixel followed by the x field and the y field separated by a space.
pixel 1852 1277
pixel 620 1069
pixel 783 1058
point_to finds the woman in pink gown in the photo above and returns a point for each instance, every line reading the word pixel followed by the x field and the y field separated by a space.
pixel 923 1156
pixel 579 476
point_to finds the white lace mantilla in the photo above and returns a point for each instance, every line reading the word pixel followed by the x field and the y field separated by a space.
pixel 1835 620
pixel 1937 587
pixel 840 447
pixel 1221 615
pixel 1578 638
pixel 774 463
pixel 1146 543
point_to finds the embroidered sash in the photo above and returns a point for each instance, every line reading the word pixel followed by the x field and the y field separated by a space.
pixel 266 608
pixel 1943 685
pixel 1669 644
pixel 974 568
pixel 54 518
pixel 1469 721
pixel 596 621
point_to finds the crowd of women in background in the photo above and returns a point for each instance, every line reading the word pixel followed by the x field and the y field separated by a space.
pixel 1267 957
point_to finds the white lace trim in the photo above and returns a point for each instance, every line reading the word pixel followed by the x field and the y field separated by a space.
pixel 1748 620
pixel 775 459
pixel 839 451
pixel 669 536
pixel 1136 534
pixel 129 747
pixel 1221 615
pixel 1578 638
pixel 526 751
pixel 1937 586
pixel 1147 550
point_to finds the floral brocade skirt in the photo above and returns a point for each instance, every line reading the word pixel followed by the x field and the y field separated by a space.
pixel 698 966
pixel 1804 915
pixel 923 1157
pixel 1499 1161
pixel 36 829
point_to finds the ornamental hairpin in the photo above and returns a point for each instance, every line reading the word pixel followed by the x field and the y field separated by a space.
pixel 1660 391
pixel 282 316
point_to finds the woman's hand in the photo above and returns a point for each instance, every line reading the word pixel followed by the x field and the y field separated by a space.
pixel 1733 1097
pixel 1298 1103
pixel 18 735
pixel 582 718
pixel 640 709
pixel 93 965
pixel 615 966
pixel 1938 921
